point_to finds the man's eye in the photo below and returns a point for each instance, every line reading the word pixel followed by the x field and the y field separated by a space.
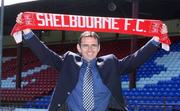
pixel 84 45
pixel 95 45
pixel 89 46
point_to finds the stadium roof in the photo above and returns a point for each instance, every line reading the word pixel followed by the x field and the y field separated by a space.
pixel 148 9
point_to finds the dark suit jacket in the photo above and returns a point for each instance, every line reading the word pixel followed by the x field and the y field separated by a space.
pixel 69 64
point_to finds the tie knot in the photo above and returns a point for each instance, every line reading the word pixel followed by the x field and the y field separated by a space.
pixel 89 65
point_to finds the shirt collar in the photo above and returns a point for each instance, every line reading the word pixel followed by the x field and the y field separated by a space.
pixel 92 62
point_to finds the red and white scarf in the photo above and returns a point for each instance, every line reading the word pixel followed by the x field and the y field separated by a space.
pixel 50 21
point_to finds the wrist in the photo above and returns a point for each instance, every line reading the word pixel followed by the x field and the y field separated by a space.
pixel 26 31
pixel 156 38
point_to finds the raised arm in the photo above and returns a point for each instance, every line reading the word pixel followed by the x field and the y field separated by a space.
pixel 44 54
pixel 133 61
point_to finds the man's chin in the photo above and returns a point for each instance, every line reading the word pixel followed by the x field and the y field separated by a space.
pixel 89 59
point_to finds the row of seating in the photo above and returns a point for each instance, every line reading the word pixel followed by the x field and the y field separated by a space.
pixel 157 80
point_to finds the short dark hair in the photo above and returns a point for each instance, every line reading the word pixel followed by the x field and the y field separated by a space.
pixel 89 34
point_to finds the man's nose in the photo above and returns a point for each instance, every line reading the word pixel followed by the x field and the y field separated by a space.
pixel 90 47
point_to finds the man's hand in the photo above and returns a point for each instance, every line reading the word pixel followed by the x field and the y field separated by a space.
pixel 164 38
pixel 19 20
pixel 163 31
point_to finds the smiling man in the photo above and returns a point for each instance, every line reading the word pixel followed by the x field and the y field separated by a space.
pixel 88 82
pixel 88 45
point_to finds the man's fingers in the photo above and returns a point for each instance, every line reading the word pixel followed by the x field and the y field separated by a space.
pixel 19 18
pixel 164 29
pixel 18 21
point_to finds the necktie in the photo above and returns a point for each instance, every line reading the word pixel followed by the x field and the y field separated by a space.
pixel 88 96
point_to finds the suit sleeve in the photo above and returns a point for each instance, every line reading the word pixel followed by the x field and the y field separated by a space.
pixel 133 61
pixel 44 54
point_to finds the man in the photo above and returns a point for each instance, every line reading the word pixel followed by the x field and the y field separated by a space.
pixel 72 92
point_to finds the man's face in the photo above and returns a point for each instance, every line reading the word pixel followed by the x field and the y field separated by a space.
pixel 88 48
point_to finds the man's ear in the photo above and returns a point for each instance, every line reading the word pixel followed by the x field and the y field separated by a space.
pixel 99 48
pixel 78 48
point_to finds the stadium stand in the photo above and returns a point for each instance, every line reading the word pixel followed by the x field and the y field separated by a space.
pixel 157 80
